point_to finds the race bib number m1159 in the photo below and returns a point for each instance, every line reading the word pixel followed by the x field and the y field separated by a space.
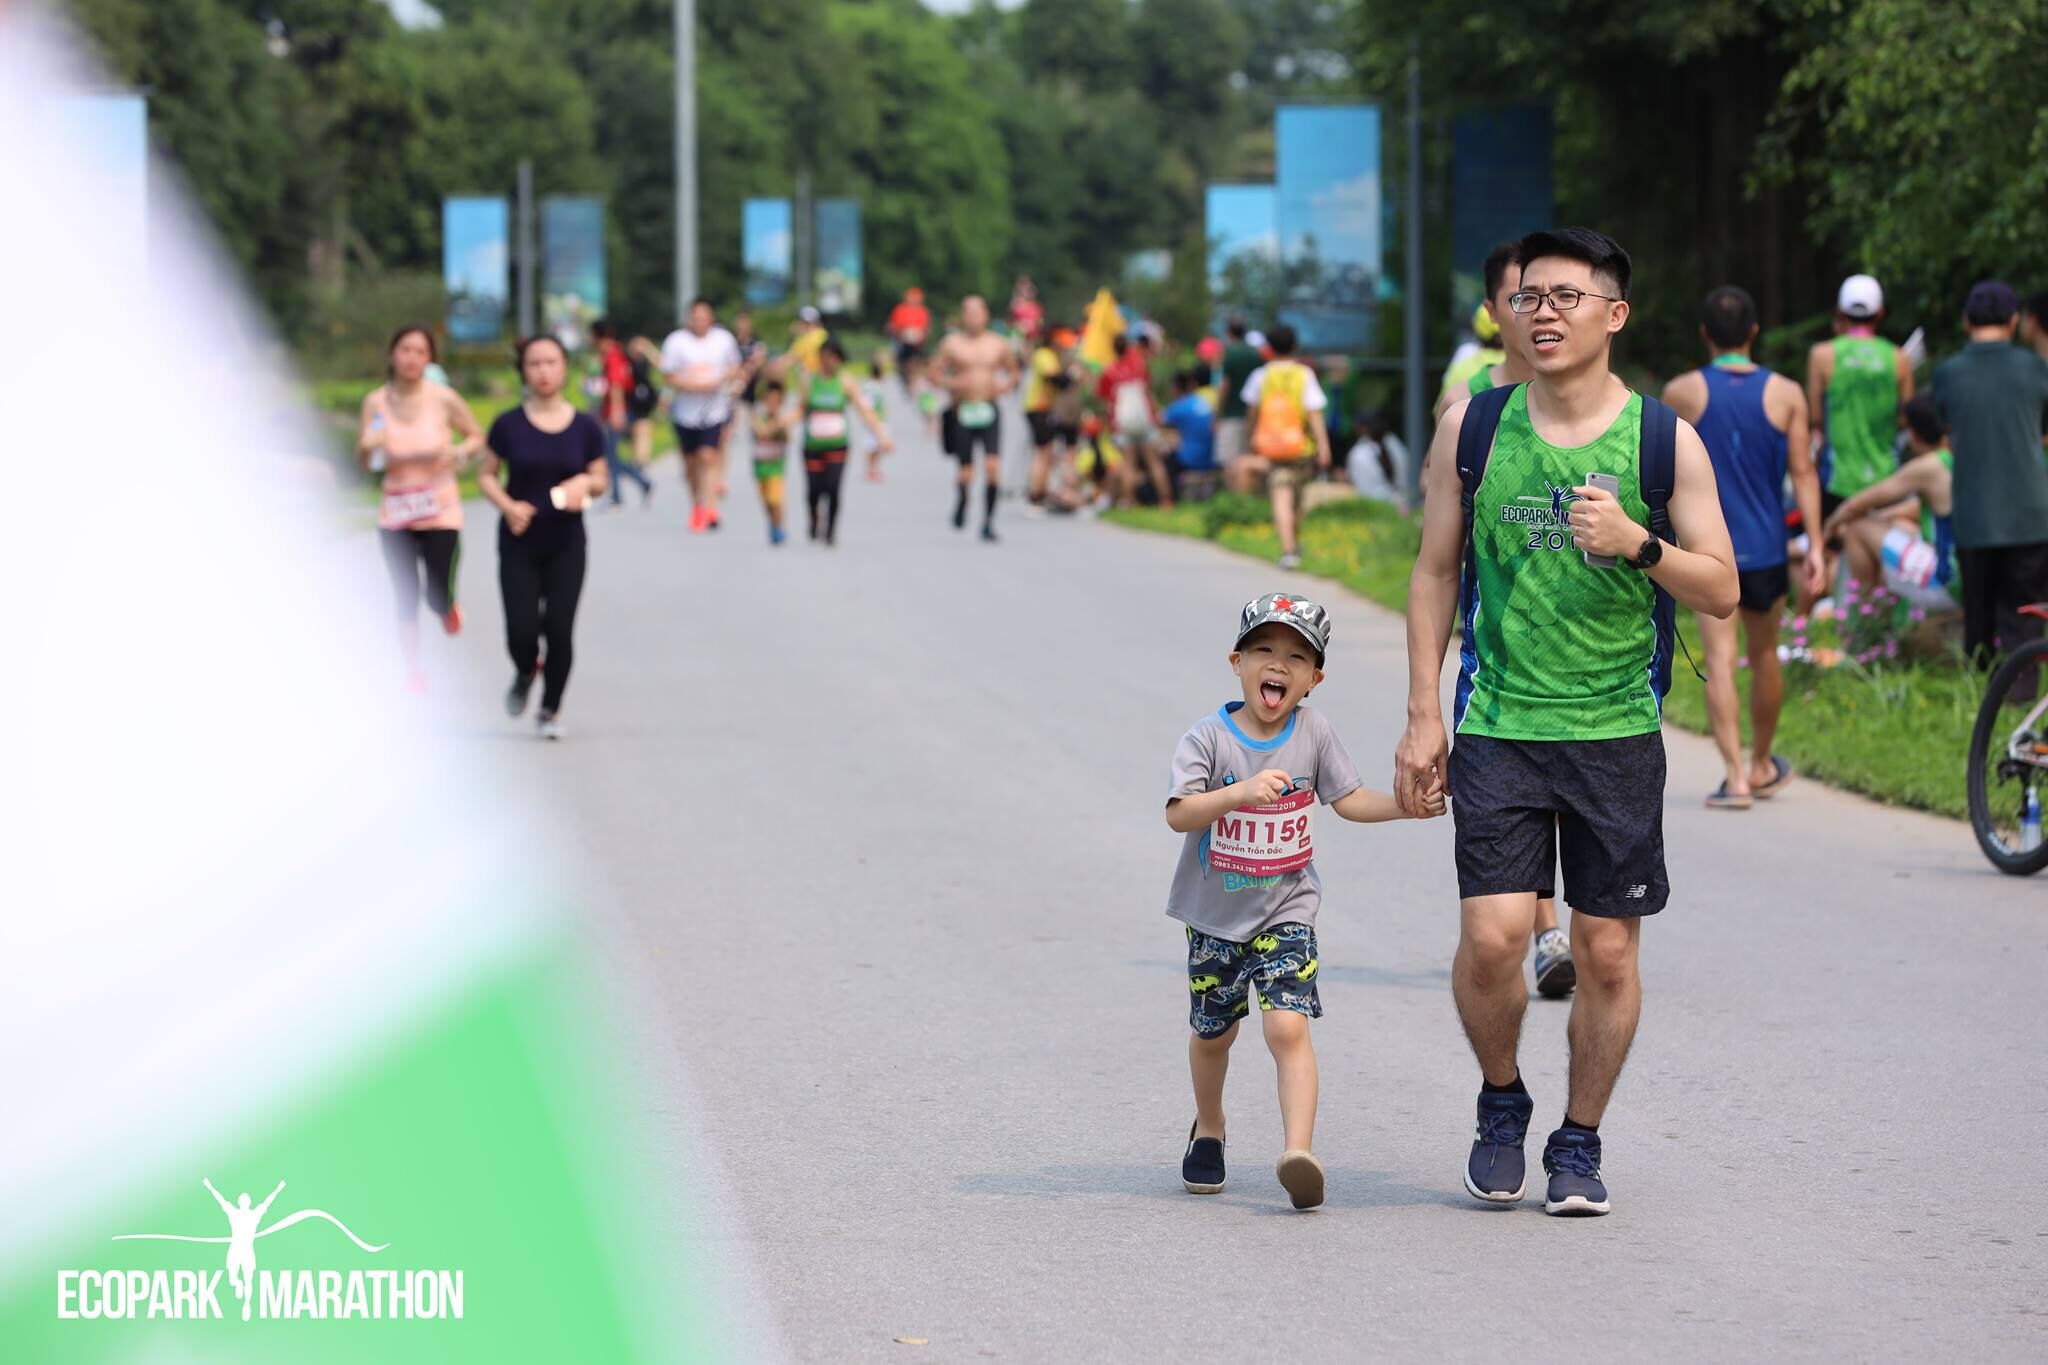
pixel 1265 841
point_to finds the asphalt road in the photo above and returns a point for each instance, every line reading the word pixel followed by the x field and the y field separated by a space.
pixel 879 828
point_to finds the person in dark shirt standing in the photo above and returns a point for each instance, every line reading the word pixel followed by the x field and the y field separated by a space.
pixel 1240 358
pixel 1994 398
pixel 543 464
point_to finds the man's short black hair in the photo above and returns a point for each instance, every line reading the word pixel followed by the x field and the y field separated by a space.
pixel 1200 373
pixel 1184 381
pixel 1923 420
pixel 1496 268
pixel 1235 328
pixel 2037 306
pixel 1729 316
pixel 1595 249
pixel 1281 339
pixel 1991 304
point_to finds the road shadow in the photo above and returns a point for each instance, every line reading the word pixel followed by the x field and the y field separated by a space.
pixel 1425 978
pixel 1251 1186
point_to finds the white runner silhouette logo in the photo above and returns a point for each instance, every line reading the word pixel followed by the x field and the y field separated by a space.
pixel 243 1225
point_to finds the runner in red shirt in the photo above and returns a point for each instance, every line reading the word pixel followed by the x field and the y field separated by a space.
pixel 910 326
pixel 616 376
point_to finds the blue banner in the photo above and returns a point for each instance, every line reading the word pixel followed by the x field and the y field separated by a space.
pixel 765 251
pixel 1241 223
pixel 1500 190
pixel 836 245
pixel 1330 223
pixel 112 132
pixel 476 255
pixel 572 266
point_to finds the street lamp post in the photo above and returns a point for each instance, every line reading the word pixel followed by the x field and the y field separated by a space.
pixel 686 154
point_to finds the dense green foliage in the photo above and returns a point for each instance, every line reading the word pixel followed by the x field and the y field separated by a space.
pixel 1775 143
pixel 1055 139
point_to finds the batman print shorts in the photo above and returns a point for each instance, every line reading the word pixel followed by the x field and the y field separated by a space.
pixel 1280 964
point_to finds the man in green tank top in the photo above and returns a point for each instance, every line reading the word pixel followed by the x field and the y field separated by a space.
pixel 1560 758
pixel 1503 277
pixel 1856 385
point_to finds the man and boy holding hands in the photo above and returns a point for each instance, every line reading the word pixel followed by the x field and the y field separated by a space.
pixel 1563 519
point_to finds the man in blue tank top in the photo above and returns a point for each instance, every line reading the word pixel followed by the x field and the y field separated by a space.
pixel 1754 425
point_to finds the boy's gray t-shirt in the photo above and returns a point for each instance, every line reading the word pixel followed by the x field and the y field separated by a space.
pixel 1215 753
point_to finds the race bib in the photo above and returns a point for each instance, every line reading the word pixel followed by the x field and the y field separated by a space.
pixel 404 506
pixel 977 415
pixel 826 426
pixel 1265 841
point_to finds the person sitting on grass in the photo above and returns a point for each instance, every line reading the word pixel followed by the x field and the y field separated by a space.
pixel 1246 779
pixel 1915 563
pixel 1191 422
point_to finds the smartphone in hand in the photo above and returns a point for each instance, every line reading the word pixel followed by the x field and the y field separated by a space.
pixel 1609 484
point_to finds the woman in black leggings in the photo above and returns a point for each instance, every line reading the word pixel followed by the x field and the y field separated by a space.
pixel 543 464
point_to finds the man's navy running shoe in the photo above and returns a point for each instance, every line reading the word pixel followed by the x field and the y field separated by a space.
pixel 1497 1171
pixel 1572 1157
pixel 1201 1169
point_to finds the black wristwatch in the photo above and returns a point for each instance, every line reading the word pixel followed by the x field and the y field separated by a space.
pixel 1647 557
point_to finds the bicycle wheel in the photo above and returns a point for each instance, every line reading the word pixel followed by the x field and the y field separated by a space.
pixel 2008 755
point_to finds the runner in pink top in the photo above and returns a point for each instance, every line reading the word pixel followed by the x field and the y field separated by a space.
pixel 403 432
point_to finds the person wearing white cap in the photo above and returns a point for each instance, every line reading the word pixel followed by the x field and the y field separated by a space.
pixel 1856 385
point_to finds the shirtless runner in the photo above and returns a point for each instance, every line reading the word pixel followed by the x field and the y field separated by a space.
pixel 976 368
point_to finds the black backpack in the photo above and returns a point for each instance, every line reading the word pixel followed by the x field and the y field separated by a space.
pixel 642 397
pixel 1656 470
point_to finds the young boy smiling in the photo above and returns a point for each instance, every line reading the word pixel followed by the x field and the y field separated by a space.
pixel 1245 779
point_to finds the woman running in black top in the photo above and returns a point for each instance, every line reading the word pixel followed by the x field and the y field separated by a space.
pixel 543 464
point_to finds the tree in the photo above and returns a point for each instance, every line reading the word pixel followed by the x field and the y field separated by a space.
pixel 1930 146
pixel 240 123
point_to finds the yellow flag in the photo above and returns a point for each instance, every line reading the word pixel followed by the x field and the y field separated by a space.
pixel 1105 325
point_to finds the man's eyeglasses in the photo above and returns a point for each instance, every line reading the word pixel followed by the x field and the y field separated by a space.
pixel 1563 300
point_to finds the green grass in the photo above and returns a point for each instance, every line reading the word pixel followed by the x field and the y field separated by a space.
pixel 1897 732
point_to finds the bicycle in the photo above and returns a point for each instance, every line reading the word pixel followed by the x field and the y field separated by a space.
pixel 2009 763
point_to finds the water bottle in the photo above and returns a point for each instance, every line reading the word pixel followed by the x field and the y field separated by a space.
pixel 377 450
pixel 2030 823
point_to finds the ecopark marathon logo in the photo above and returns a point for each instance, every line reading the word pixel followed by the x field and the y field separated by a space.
pixel 280 1294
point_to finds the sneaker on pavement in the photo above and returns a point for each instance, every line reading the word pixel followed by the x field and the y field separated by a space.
pixel 1555 974
pixel 1201 1169
pixel 988 533
pixel 1497 1171
pixel 776 535
pixel 451 620
pixel 697 518
pixel 1572 1158
pixel 547 725
pixel 1290 561
pixel 1301 1175
pixel 517 693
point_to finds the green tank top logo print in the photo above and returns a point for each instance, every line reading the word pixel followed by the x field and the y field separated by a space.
pixel 1553 648
pixel 1863 413
pixel 825 414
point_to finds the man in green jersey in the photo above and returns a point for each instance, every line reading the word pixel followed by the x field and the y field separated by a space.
pixel 1501 365
pixel 1856 385
pixel 1560 758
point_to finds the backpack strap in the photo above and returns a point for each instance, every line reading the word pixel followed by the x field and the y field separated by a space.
pixel 1475 448
pixel 1657 464
pixel 1475 442
pixel 1657 471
